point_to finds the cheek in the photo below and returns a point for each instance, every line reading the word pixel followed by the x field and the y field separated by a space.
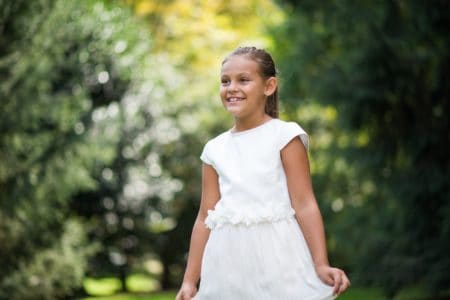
pixel 222 92
pixel 254 90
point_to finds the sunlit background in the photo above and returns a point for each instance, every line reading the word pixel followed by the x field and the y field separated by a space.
pixel 106 106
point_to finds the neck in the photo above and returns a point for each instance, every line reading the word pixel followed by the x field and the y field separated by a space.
pixel 250 121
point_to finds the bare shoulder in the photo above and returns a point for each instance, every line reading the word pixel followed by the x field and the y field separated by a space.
pixel 296 166
pixel 294 153
pixel 208 172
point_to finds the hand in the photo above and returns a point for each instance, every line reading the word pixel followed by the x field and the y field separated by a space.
pixel 334 277
pixel 186 292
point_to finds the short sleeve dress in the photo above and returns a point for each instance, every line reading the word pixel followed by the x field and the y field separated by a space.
pixel 256 249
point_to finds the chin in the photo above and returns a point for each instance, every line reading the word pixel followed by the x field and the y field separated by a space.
pixel 233 111
pixel 235 115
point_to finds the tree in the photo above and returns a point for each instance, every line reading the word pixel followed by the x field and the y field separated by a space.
pixel 192 37
pixel 383 67
pixel 58 65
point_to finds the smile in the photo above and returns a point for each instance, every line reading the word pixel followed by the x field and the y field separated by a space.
pixel 234 99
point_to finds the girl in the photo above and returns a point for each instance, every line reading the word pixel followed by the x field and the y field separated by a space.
pixel 259 233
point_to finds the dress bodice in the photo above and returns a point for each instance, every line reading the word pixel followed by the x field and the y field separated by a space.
pixel 252 180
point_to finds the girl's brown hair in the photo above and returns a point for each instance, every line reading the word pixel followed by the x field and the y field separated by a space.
pixel 267 67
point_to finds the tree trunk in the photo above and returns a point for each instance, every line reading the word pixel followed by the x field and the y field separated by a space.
pixel 165 279
pixel 123 278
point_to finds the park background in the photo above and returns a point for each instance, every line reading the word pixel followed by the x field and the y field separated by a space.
pixel 106 105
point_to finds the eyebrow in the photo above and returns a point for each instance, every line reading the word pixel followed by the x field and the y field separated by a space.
pixel 239 74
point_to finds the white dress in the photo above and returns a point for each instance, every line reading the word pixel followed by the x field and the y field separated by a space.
pixel 256 249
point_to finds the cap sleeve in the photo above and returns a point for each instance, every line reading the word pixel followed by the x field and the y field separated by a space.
pixel 205 156
pixel 290 131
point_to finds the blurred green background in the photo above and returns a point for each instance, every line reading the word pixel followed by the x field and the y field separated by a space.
pixel 106 105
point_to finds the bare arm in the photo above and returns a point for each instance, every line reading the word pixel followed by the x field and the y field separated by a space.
pixel 200 233
pixel 296 166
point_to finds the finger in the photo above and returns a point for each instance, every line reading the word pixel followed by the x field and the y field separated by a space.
pixel 347 280
pixel 192 294
pixel 328 279
pixel 337 282
pixel 342 288
pixel 345 284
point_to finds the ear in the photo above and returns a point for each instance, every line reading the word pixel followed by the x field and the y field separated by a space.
pixel 271 86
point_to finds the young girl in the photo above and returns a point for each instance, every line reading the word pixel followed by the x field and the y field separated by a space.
pixel 259 232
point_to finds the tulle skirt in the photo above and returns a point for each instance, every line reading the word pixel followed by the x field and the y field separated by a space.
pixel 264 261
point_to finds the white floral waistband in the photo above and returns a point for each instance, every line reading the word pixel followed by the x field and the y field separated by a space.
pixel 217 218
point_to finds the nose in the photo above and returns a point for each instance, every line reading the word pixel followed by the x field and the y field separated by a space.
pixel 232 86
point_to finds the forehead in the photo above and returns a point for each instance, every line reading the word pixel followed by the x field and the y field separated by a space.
pixel 237 64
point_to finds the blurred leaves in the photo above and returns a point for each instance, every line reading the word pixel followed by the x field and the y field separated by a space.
pixel 66 260
pixel 106 106
pixel 197 34
pixel 57 65
pixel 382 67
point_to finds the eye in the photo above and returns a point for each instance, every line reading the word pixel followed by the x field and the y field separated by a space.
pixel 225 81
pixel 244 79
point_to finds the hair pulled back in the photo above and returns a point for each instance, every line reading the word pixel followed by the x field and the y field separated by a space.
pixel 267 69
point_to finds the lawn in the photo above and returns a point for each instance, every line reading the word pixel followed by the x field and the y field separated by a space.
pixel 149 296
pixel 353 294
pixel 144 287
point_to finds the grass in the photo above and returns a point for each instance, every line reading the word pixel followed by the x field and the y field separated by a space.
pixel 355 293
pixel 137 283
pixel 101 286
pixel 143 287
pixel 149 296
pixel 352 294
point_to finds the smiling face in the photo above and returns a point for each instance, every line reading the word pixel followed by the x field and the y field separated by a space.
pixel 243 90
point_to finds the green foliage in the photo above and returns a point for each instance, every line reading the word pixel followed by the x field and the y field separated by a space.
pixel 59 62
pixel 383 67
pixel 190 46
pixel 66 260
pixel 96 123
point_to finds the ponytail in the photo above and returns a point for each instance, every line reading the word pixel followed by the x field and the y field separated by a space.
pixel 271 107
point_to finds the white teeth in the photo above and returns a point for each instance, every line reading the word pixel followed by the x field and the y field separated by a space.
pixel 234 99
